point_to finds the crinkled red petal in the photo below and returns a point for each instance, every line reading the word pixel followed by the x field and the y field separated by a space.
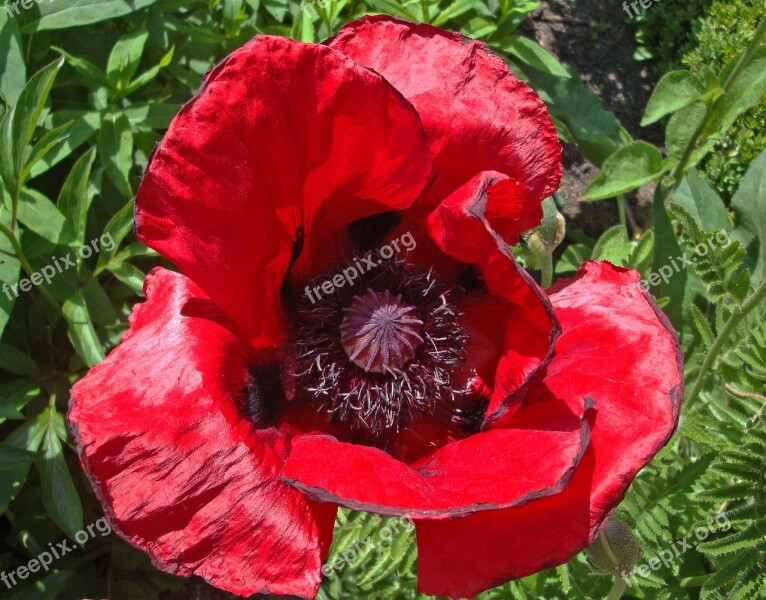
pixel 180 472
pixel 284 146
pixel 618 348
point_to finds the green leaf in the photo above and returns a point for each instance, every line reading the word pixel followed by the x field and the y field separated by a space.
pixel 43 146
pixel 573 256
pixel 85 68
pixel 745 92
pixel 674 91
pixel 15 361
pixel 13 71
pixel 666 249
pixel 14 467
pixel 749 203
pixel 149 75
pixel 115 149
pixel 129 275
pixel 452 11
pixel 41 216
pixel 702 202
pixel 62 14
pixel 73 199
pixel 9 269
pixel 14 396
pixel 681 128
pixel 84 125
pixel 119 226
pixel 82 332
pixel 126 56
pixel 613 245
pixel 27 111
pixel 533 54
pixel 59 494
pixel 627 169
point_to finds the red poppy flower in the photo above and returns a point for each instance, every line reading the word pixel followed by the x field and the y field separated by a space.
pixel 266 384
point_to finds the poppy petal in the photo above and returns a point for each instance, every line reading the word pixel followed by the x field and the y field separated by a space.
pixel 462 228
pixel 617 347
pixel 180 472
pixel 477 115
pixel 485 471
pixel 284 145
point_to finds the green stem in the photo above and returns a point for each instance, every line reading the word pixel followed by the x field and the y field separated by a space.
pixel 623 218
pixel 617 589
pixel 546 265
pixel 25 264
pixel 743 61
pixel 715 348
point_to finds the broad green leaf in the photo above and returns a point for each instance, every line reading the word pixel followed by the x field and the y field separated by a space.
pixel 30 434
pixel 627 169
pixel 279 8
pixel 156 116
pixel 82 332
pixel 48 587
pixel 126 56
pixel 115 149
pixel 573 256
pixel 15 361
pixel 40 215
pixel 100 306
pixel 14 396
pixel 73 199
pixel 613 246
pixel 14 467
pixel 641 256
pixel 750 205
pixel 674 91
pixel 27 111
pixel 533 54
pixel 62 14
pixel 59 494
pixel 748 88
pixel 13 71
pixel 681 128
pixel 702 202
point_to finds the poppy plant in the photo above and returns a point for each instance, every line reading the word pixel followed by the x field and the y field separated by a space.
pixel 443 385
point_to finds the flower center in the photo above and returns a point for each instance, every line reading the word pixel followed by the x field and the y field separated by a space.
pixel 379 332
pixel 380 366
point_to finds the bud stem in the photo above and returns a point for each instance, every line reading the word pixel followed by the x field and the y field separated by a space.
pixel 617 589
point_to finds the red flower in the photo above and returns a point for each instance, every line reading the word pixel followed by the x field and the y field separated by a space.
pixel 251 397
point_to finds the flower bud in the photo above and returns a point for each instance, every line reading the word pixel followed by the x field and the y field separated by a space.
pixel 544 239
pixel 615 550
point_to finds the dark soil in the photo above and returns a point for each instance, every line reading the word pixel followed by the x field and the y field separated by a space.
pixel 596 39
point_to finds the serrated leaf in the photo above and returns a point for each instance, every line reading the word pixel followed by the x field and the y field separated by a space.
pixel 702 326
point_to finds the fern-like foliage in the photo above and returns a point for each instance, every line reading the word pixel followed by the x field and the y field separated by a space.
pixel 739 555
